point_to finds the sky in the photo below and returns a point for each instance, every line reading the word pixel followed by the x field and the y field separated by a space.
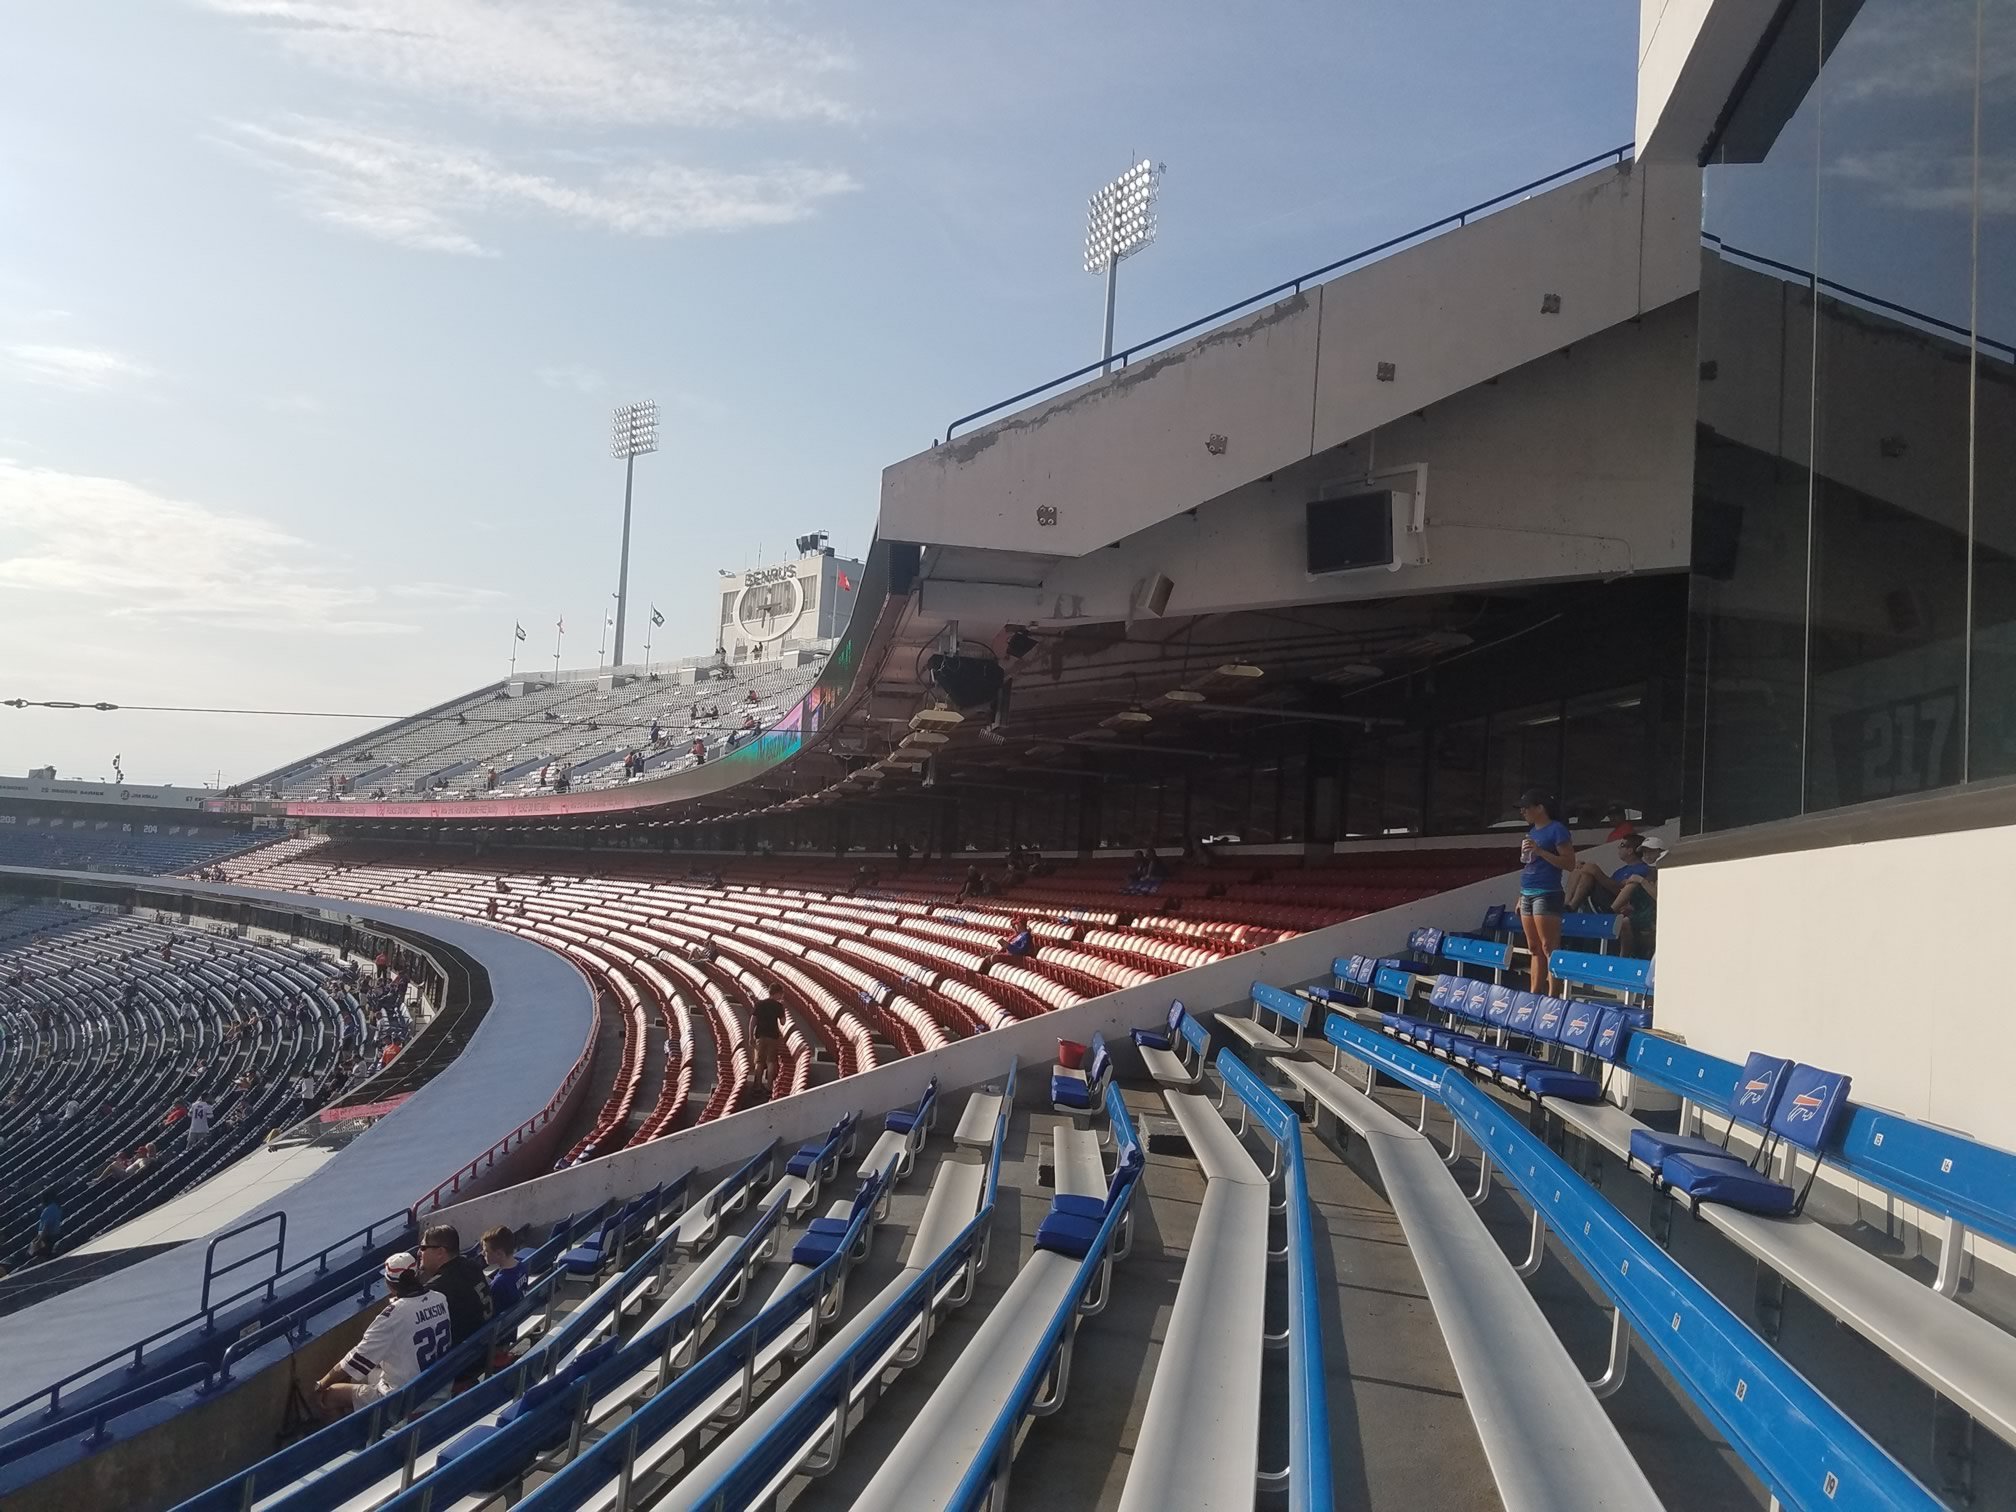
pixel 312 312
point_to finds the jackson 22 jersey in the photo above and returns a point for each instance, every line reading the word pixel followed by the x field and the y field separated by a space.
pixel 403 1340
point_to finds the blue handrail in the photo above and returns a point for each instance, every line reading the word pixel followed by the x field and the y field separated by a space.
pixel 1294 285
pixel 997 1450
pixel 277 1249
pixel 1808 1452
pixel 480 1467
pixel 207 1340
pixel 1308 1392
pixel 591 1470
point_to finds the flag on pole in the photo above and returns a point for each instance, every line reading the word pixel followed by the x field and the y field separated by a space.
pixel 517 630
pixel 846 583
pixel 561 624
pixel 656 617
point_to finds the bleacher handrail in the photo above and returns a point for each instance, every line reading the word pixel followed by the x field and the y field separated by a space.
pixel 1294 285
pixel 997 1450
pixel 612 1455
pixel 1308 1469
pixel 204 1320
pixel 1979 1185
pixel 1808 1453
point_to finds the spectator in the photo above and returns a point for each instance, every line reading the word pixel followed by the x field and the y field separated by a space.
pixel 118 1167
pixel 176 1113
pixel 71 1108
pixel 543 771
pixel 49 1226
pixel 654 732
pixel 200 1113
pixel 1547 854
pixel 975 886
pixel 698 751
pixel 389 1054
pixel 507 1271
pixel 1589 885
pixel 1620 824
pixel 766 1015
pixel 1021 945
pixel 411 1333
pixel 1637 899
pixel 456 1277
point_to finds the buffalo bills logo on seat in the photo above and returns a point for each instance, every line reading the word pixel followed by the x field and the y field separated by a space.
pixel 1753 1093
pixel 1807 1105
pixel 1578 1024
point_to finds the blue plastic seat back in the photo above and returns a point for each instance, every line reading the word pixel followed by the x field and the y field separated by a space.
pixel 1498 1006
pixel 1494 919
pixel 1760 1089
pixel 1175 1019
pixel 1578 1027
pixel 1525 1009
pixel 1810 1107
pixel 1552 1012
pixel 1445 987
pixel 1614 1027
pixel 1477 1001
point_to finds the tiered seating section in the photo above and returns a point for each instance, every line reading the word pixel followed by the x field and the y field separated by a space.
pixel 753 1335
pixel 681 952
pixel 451 751
pixel 135 847
pixel 108 1021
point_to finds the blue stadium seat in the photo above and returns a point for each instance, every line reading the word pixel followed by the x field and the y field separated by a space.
pixel 1810 1105
pixel 1758 1091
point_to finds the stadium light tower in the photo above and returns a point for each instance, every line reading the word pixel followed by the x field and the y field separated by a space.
pixel 634 435
pixel 1119 222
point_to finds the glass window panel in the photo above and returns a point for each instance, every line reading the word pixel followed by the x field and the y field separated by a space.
pixel 1364 766
pixel 1263 826
pixel 1525 753
pixel 1294 795
pixel 1992 706
pixel 1603 743
pixel 1753 449
pixel 1400 787
pixel 1456 779
pixel 1889 561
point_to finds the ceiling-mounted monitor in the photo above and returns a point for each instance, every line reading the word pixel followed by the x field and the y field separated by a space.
pixel 1355 532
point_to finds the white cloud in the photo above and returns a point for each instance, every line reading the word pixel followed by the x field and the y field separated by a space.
pixel 77 369
pixel 129 553
pixel 291 404
pixel 595 62
pixel 572 375
pixel 1920 178
pixel 421 194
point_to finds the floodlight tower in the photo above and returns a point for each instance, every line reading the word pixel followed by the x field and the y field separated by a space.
pixel 634 435
pixel 1119 222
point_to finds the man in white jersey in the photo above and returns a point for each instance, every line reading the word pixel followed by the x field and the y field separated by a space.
pixel 200 1113
pixel 409 1335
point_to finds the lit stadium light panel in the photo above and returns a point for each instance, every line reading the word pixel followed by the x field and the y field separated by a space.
pixel 1120 221
pixel 633 433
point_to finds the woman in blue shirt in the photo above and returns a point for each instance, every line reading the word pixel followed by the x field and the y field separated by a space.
pixel 1546 855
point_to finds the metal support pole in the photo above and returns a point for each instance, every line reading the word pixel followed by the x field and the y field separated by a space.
pixel 1112 281
pixel 623 562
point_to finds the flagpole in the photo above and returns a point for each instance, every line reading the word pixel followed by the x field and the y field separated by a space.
pixel 559 629
pixel 647 645
pixel 514 653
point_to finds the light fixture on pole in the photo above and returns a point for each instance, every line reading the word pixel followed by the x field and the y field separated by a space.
pixel 1119 222
pixel 634 434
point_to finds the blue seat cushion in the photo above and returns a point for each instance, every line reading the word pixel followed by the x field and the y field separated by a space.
pixel 469 1438
pixel 1727 1180
pixel 583 1259
pixel 1150 1039
pixel 1070 1091
pixel 902 1121
pixel 805 1161
pixel 1512 1063
pixel 1650 1148
pixel 1077 1206
pixel 1553 1081
pixel 812 1248
pixel 1337 995
pixel 1067 1232
pixel 827 1226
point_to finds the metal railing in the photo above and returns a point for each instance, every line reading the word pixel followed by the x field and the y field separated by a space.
pixel 1458 218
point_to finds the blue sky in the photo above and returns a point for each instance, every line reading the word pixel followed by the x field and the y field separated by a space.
pixel 312 311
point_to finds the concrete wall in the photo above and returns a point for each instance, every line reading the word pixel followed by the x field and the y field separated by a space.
pixel 1856 957
pixel 970 1062
pixel 1577 465
pixel 1266 390
pixel 1690 55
